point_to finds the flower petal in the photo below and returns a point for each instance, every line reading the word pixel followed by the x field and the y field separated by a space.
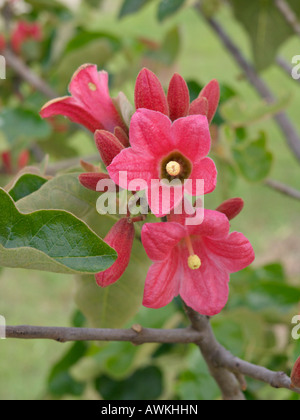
pixel 234 253
pixel 150 133
pixel 159 239
pixel 163 198
pixel 178 97
pixel 205 290
pixel 192 136
pixel 162 282
pixel 74 110
pixel 205 170
pixel 130 166
pixel 215 225
pixel 149 93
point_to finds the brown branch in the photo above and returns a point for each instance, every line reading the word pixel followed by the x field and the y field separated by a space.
pixel 221 361
pixel 135 335
pixel 283 189
pixel 27 74
pixel 208 345
pixel 289 15
pixel 286 126
pixel 225 368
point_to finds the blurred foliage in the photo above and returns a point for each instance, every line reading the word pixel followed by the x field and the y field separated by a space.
pixel 256 323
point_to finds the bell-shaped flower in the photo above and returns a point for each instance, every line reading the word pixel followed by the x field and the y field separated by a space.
pixel 165 155
pixel 90 103
pixel 194 262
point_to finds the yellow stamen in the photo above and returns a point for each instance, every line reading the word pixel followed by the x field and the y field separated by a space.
pixel 173 168
pixel 92 87
pixel 194 262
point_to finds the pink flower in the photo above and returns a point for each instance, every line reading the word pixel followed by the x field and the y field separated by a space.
pixel 121 238
pixel 90 103
pixel 23 32
pixel 149 94
pixel 194 262
pixel 161 150
pixel 295 376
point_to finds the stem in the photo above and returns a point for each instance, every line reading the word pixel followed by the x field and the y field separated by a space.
pixel 27 74
pixel 286 126
pixel 283 189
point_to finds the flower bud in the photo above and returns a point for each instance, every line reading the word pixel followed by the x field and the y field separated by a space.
pixel 149 93
pixel 121 238
pixel 90 180
pixel 199 107
pixel 231 208
pixel 212 93
pixel 108 145
pixel 295 377
pixel 178 98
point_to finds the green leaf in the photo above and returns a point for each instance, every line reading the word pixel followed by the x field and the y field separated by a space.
pixel 114 306
pixel 60 381
pixel 266 27
pixel 239 114
pixel 49 240
pixel 253 159
pixel 144 384
pixel 84 37
pixel 111 307
pixel 26 185
pixel 19 124
pixel 167 8
pixel 132 6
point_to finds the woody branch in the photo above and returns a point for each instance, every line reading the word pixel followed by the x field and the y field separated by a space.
pixel 225 368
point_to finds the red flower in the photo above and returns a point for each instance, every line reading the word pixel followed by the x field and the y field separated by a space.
pixel 23 32
pixel 120 238
pixel 149 94
pixel 90 103
pixel 161 150
pixel 295 376
pixel 194 262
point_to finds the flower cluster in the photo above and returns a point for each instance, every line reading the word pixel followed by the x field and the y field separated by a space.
pixel 22 32
pixel 166 139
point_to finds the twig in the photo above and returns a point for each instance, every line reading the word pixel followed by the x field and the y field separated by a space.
pixel 286 67
pixel 282 188
pixel 27 74
pixel 286 126
pixel 208 345
pixel 289 15
pixel 224 367
pixel 221 360
pixel 141 336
